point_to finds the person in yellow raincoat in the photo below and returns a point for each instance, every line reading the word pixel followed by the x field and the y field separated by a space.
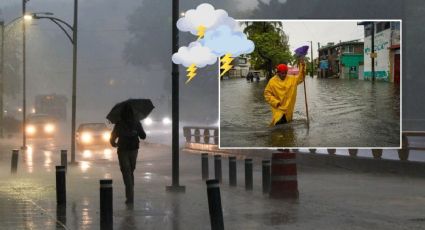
pixel 281 93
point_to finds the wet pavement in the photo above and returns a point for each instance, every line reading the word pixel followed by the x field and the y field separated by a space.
pixel 350 113
pixel 330 198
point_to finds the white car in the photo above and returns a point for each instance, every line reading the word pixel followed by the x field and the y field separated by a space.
pixel 93 135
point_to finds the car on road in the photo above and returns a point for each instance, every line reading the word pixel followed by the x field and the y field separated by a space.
pixel 157 123
pixel 92 135
pixel 40 126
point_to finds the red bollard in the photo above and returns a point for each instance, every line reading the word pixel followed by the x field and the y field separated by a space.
pixel 284 182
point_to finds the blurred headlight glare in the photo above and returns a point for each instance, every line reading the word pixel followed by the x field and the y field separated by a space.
pixel 86 137
pixel 49 128
pixel 148 121
pixel 30 129
pixel 166 121
pixel 106 136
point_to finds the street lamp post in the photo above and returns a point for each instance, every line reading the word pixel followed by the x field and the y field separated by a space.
pixel 175 186
pixel 1 78
pixel 312 60
pixel 24 79
pixel 73 39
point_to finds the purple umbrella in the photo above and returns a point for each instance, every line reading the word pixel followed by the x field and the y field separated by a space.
pixel 301 51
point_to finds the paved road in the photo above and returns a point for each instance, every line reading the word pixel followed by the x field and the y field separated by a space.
pixel 330 198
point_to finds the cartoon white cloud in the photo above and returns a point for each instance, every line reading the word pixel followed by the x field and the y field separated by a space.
pixel 223 40
pixel 206 16
pixel 195 54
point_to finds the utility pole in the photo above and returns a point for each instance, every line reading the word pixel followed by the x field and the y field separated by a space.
pixel 24 79
pixel 175 187
pixel 2 25
pixel 311 52
pixel 372 55
pixel 74 80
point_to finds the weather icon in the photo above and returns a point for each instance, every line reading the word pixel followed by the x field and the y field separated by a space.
pixel 219 37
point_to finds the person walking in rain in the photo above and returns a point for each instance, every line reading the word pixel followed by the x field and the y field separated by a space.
pixel 281 92
pixel 128 131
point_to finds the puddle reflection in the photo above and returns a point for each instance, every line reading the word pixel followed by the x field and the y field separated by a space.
pixel 95 154
pixel 47 160
pixel 84 166
pixel 29 159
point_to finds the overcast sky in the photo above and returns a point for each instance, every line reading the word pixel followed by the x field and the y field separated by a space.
pixel 321 31
pixel 102 38
pixel 301 32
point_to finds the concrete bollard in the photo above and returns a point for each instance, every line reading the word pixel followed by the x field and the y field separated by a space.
pixel 217 168
pixel 206 136
pixel 64 158
pixel 331 151
pixel 60 185
pixel 284 183
pixel 403 153
pixel 204 162
pixel 266 175
pixel 232 171
pixel 377 153
pixel 15 157
pixel 248 174
pixel 214 205
pixel 353 152
pixel 197 135
pixel 106 207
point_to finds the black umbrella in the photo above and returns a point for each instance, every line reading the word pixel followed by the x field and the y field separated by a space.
pixel 141 109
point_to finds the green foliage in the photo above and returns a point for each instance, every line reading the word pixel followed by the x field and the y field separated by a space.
pixel 12 61
pixel 271 45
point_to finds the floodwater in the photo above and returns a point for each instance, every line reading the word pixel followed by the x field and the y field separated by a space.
pixel 342 113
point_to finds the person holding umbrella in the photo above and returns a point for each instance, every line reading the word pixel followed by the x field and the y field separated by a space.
pixel 281 91
pixel 128 130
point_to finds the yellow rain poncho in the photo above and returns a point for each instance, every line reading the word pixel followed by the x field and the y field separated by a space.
pixel 281 95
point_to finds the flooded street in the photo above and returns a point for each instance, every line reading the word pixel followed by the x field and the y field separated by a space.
pixel 343 113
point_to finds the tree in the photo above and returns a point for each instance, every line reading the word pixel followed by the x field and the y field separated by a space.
pixel 271 45
pixel 12 61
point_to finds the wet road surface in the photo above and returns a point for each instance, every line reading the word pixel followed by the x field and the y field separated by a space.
pixel 343 113
pixel 328 197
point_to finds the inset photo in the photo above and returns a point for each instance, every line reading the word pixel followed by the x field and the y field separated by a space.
pixel 314 83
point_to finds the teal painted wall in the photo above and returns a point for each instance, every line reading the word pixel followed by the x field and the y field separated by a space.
pixel 349 60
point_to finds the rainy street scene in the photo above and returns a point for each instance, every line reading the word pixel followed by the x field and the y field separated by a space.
pixel 340 94
pixel 122 115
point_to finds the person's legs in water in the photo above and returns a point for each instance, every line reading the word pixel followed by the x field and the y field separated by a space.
pixel 126 170
pixel 282 121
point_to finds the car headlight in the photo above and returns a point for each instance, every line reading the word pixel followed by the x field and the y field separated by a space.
pixel 49 128
pixel 106 136
pixel 166 121
pixel 148 121
pixel 86 137
pixel 30 129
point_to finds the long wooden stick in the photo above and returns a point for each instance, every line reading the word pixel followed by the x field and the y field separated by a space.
pixel 306 105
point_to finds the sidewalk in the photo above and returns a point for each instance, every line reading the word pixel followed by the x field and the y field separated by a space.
pixel 330 198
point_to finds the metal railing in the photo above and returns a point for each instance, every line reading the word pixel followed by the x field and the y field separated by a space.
pixel 198 135
pixel 201 135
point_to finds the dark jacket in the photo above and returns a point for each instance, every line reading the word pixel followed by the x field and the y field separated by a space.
pixel 128 134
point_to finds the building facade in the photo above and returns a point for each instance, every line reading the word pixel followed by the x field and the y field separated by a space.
pixel 342 60
pixel 386 36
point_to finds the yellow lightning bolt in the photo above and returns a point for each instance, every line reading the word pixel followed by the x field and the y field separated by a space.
pixel 191 72
pixel 201 31
pixel 225 63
